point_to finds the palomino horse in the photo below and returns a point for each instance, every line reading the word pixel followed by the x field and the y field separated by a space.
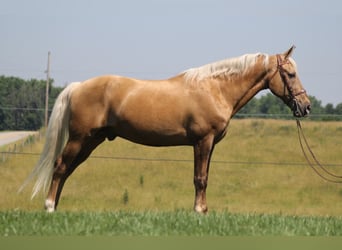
pixel 193 108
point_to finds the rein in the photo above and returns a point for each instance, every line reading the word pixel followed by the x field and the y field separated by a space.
pixel 316 166
pixel 328 176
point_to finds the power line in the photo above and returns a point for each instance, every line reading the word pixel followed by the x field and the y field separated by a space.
pixel 126 158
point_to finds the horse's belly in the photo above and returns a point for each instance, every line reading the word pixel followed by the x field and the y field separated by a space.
pixel 153 137
pixel 152 122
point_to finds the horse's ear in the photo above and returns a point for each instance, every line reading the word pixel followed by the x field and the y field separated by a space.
pixel 288 53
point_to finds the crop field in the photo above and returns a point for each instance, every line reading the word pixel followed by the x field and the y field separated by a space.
pixel 259 184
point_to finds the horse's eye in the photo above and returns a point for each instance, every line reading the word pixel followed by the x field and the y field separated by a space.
pixel 292 75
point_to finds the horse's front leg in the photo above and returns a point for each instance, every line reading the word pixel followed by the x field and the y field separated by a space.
pixel 202 154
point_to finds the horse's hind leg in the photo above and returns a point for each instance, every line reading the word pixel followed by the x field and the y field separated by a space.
pixel 62 166
pixel 74 153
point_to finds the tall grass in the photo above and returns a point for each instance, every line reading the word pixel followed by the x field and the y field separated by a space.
pixel 245 176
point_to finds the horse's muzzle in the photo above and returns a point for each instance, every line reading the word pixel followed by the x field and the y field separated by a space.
pixel 300 110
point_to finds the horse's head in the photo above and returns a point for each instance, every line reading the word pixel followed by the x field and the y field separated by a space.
pixel 285 84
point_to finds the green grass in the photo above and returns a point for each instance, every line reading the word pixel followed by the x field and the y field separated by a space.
pixel 176 223
pixel 244 176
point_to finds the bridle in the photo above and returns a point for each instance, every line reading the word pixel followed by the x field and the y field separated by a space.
pixel 291 99
pixel 283 72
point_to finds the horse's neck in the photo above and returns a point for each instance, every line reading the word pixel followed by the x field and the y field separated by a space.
pixel 248 96
pixel 242 89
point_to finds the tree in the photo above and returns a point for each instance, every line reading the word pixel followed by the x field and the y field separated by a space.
pixel 22 103
pixel 265 105
pixel 329 108
pixel 316 106
pixel 338 109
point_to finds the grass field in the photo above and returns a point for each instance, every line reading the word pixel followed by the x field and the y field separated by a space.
pixel 176 223
pixel 258 175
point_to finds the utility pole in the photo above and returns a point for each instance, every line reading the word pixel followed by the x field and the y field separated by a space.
pixel 47 91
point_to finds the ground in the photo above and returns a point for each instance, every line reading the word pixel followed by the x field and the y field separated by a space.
pixel 12 136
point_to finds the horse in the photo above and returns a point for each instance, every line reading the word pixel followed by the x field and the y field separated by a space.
pixel 193 108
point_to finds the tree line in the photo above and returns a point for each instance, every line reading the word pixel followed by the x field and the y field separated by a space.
pixel 22 102
pixel 270 106
pixel 22 105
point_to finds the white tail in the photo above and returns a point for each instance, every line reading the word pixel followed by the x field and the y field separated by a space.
pixel 56 136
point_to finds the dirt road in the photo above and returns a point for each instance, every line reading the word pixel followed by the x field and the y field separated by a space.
pixel 12 136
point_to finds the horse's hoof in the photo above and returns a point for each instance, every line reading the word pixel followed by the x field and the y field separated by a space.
pixel 49 206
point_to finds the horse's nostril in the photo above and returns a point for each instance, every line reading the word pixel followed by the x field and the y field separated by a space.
pixel 308 109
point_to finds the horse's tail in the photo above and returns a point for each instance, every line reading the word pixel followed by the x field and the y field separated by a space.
pixel 56 136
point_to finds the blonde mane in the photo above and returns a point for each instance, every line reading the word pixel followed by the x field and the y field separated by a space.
pixel 228 67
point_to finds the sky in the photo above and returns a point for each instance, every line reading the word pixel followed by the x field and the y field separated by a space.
pixel 152 39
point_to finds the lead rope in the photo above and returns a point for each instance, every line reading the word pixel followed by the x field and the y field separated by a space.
pixel 300 136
